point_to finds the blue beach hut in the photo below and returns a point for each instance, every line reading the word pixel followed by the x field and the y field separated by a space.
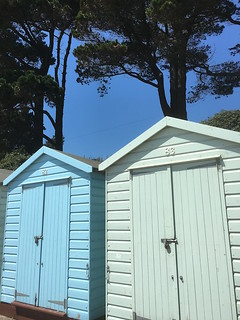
pixel 53 248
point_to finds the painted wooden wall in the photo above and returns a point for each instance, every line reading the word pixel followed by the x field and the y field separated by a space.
pixel 3 201
pixel 86 215
pixel 171 145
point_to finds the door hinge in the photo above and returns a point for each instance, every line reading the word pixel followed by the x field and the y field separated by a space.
pixel 19 294
pixel 61 303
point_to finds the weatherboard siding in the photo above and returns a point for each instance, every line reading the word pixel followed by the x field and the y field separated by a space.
pixel 86 199
pixel 231 177
pixel 3 201
pixel 78 280
pixel 154 152
pixel 97 246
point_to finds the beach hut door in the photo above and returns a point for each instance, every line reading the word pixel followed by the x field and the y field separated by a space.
pixel 181 264
pixel 42 260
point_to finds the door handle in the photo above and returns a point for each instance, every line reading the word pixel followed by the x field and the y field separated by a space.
pixel 37 238
pixel 167 241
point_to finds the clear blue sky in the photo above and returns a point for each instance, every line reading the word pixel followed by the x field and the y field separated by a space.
pixel 98 127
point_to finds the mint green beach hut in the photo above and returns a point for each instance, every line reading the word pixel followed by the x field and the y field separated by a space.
pixel 173 224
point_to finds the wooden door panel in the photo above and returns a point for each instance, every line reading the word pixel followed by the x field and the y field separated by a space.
pixel 28 266
pixel 53 276
pixel 155 278
pixel 204 286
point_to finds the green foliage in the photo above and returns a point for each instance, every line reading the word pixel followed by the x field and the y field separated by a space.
pixel 226 119
pixel 14 159
pixel 147 39
pixel 30 34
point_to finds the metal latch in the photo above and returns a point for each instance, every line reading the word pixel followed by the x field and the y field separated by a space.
pixel 37 238
pixel 167 241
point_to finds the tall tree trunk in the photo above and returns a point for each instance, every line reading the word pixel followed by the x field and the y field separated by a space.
pixel 60 105
pixel 177 60
pixel 178 88
pixel 59 125
pixel 38 124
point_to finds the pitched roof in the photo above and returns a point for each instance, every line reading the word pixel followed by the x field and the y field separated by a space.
pixel 4 174
pixel 83 164
pixel 203 129
pixel 93 163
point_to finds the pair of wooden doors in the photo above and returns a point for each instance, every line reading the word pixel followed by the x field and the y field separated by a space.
pixel 182 268
pixel 42 254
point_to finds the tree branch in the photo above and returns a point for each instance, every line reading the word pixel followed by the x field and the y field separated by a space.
pixel 137 76
pixel 64 73
pixel 47 138
pixel 211 73
pixel 58 56
pixel 50 118
pixel 233 21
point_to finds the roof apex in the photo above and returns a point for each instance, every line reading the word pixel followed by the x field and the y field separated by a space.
pixel 72 160
pixel 203 129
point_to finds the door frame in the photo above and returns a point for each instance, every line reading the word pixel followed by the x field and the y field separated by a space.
pixel 196 160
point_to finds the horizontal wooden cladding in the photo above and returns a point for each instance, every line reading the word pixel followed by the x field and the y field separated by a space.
pixel 81 284
pixel 170 137
pixel 81 198
pixel 120 289
pixel 14 197
pixel 119 267
pixel 237 279
pixel 118 215
pixel 122 313
pixel 118 195
pixel 233 213
pixel 120 278
pixel 232 163
pixel 113 176
pixel 235 239
pixel 231 175
pixel 78 294
pixel 234 226
pixel 232 188
pixel 123 225
pixel 119 235
pixel 78 304
pixel 80 190
pixel 237 293
pixel 236 265
pixel 119 300
pixel 118 186
pixel 238 308
pixel 118 205
pixel 119 245
pixel 13 205
pixel 74 313
pixel 233 200
pixel 78 217
pixel 235 252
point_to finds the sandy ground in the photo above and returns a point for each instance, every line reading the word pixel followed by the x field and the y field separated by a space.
pixel 5 318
